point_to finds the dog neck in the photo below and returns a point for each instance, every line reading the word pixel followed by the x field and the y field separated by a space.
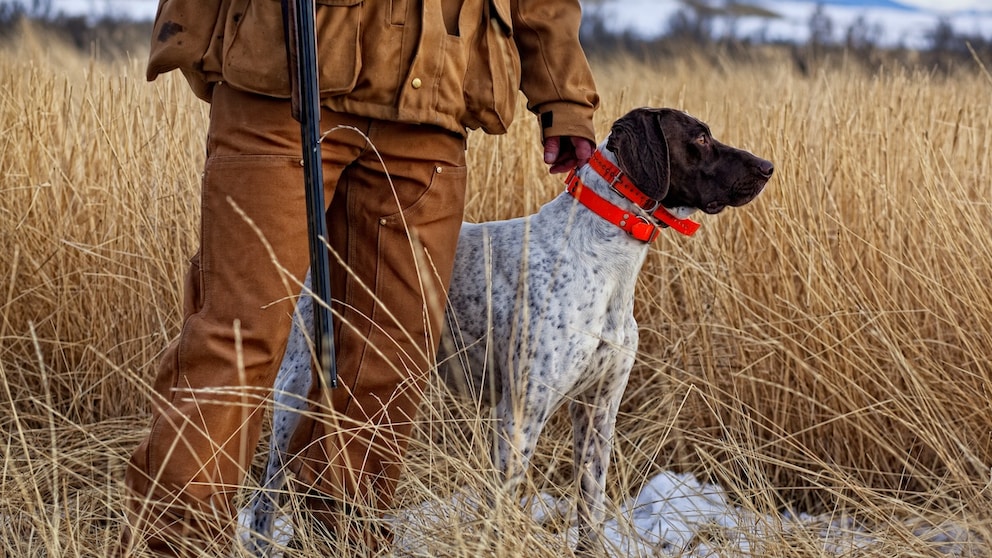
pixel 604 188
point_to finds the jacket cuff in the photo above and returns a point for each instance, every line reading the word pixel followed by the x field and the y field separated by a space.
pixel 566 119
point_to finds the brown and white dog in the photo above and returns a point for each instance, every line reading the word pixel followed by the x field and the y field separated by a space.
pixel 541 307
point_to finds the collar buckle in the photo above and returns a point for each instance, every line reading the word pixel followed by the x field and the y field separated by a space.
pixel 654 205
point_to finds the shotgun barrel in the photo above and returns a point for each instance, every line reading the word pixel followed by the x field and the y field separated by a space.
pixel 299 23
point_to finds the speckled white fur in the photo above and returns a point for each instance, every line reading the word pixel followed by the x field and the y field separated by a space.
pixel 541 314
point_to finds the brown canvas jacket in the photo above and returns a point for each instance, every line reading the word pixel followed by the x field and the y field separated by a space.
pixel 456 64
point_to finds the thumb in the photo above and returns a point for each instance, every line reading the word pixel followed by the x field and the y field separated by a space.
pixel 552 147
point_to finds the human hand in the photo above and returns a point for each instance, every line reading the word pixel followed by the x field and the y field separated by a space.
pixel 565 153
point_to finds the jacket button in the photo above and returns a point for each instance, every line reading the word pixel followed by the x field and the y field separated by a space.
pixel 416 83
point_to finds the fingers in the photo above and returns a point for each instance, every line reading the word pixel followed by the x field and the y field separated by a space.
pixel 583 150
pixel 565 153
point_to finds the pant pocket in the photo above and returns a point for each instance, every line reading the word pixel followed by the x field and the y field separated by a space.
pixel 441 204
pixel 433 220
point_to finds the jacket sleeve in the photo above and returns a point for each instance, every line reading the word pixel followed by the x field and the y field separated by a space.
pixel 187 35
pixel 555 75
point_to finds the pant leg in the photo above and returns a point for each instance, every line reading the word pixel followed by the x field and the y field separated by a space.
pixel 398 241
pixel 215 378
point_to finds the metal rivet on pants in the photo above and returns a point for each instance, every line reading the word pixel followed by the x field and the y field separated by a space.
pixel 383 222
pixel 438 169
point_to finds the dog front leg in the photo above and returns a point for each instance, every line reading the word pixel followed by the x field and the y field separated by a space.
pixel 593 424
pixel 519 427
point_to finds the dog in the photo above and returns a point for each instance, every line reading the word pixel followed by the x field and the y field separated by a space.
pixel 540 308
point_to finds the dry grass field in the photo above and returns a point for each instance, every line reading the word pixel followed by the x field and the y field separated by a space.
pixel 825 350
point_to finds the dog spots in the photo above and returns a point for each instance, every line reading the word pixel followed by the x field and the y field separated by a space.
pixel 545 363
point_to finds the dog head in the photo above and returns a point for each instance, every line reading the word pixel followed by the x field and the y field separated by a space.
pixel 673 158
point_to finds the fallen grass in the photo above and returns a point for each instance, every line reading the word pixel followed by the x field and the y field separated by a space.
pixel 823 350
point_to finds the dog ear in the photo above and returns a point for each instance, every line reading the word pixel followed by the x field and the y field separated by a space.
pixel 639 144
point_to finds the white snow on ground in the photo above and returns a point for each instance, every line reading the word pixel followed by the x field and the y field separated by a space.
pixel 673 515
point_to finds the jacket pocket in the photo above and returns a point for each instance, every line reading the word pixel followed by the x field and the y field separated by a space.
pixel 255 57
pixel 493 76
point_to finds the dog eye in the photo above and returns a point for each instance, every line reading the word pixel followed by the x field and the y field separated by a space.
pixel 702 140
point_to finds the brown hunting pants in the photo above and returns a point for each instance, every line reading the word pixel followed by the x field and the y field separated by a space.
pixel 393 233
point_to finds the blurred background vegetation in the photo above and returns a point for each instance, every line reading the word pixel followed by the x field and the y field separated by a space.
pixel 709 28
pixel 699 26
pixel 105 35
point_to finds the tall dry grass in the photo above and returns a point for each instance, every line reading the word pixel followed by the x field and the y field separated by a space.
pixel 824 349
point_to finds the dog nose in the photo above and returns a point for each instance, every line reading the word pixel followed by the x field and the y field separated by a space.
pixel 766 168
